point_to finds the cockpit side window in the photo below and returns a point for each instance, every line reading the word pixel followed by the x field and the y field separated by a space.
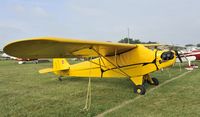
pixel 167 55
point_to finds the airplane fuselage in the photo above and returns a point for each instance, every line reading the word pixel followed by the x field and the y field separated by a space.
pixel 134 63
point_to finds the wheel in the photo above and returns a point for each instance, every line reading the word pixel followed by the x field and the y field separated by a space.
pixel 155 81
pixel 60 78
pixel 139 89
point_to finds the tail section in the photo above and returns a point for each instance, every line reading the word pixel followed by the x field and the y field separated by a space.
pixel 59 65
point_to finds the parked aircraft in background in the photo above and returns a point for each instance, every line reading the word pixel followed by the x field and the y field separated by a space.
pixel 191 51
pixel 6 56
pixel 189 54
pixel 20 60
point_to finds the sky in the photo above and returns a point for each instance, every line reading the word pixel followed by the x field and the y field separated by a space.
pixel 163 21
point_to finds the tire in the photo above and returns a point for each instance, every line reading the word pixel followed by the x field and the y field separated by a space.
pixel 139 89
pixel 155 81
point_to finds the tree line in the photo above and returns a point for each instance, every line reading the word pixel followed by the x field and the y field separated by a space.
pixel 137 41
pixel 198 45
pixel 134 41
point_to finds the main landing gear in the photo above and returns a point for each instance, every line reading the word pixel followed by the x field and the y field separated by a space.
pixel 153 82
pixel 140 81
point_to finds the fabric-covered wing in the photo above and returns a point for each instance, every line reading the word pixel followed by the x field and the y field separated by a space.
pixel 50 47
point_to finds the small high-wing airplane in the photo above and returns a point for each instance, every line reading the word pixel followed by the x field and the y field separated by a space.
pixel 111 60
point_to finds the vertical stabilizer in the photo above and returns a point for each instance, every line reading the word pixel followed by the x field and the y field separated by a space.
pixel 60 64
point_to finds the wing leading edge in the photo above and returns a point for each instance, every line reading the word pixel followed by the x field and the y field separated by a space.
pixel 50 47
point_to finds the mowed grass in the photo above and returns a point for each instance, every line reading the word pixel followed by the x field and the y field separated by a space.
pixel 179 98
pixel 25 92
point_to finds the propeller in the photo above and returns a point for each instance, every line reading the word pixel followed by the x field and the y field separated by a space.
pixel 175 49
pixel 178 55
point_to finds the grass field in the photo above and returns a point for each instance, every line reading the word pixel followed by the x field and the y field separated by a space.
pixel 25 92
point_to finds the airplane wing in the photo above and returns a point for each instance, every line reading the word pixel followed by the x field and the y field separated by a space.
pixel 152 45
pixel 174 47
pixel 50 47
pixel 165 46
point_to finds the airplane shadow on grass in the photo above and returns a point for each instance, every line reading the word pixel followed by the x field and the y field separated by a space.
pixel 111 82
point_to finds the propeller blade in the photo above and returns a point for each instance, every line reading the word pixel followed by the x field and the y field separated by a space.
pixel 178 55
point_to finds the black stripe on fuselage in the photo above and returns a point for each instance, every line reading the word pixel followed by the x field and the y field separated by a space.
pixel 143 64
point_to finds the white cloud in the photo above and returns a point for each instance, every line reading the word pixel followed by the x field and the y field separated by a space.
pixel 19 8
pixel 23 10
pixel 9 33
pixel 167 21
pixel 39 11
pixel 89 11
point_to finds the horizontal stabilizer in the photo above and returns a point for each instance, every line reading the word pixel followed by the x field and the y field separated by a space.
pixel 46 70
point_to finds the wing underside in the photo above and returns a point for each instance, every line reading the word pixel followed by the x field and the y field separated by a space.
pixel 49 47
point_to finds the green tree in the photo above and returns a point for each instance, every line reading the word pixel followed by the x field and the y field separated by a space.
pixel 189 45
pixel 131 41
pixel 198 45
pixel 135 41
pixel 151 42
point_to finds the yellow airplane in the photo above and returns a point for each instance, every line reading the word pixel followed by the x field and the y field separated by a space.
pixel 111 60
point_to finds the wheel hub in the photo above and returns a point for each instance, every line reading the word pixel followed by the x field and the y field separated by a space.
pixel 138 90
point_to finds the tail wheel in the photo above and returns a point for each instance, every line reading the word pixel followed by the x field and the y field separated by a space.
pixel 139 89
pixel 155 81
pixel 60 78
